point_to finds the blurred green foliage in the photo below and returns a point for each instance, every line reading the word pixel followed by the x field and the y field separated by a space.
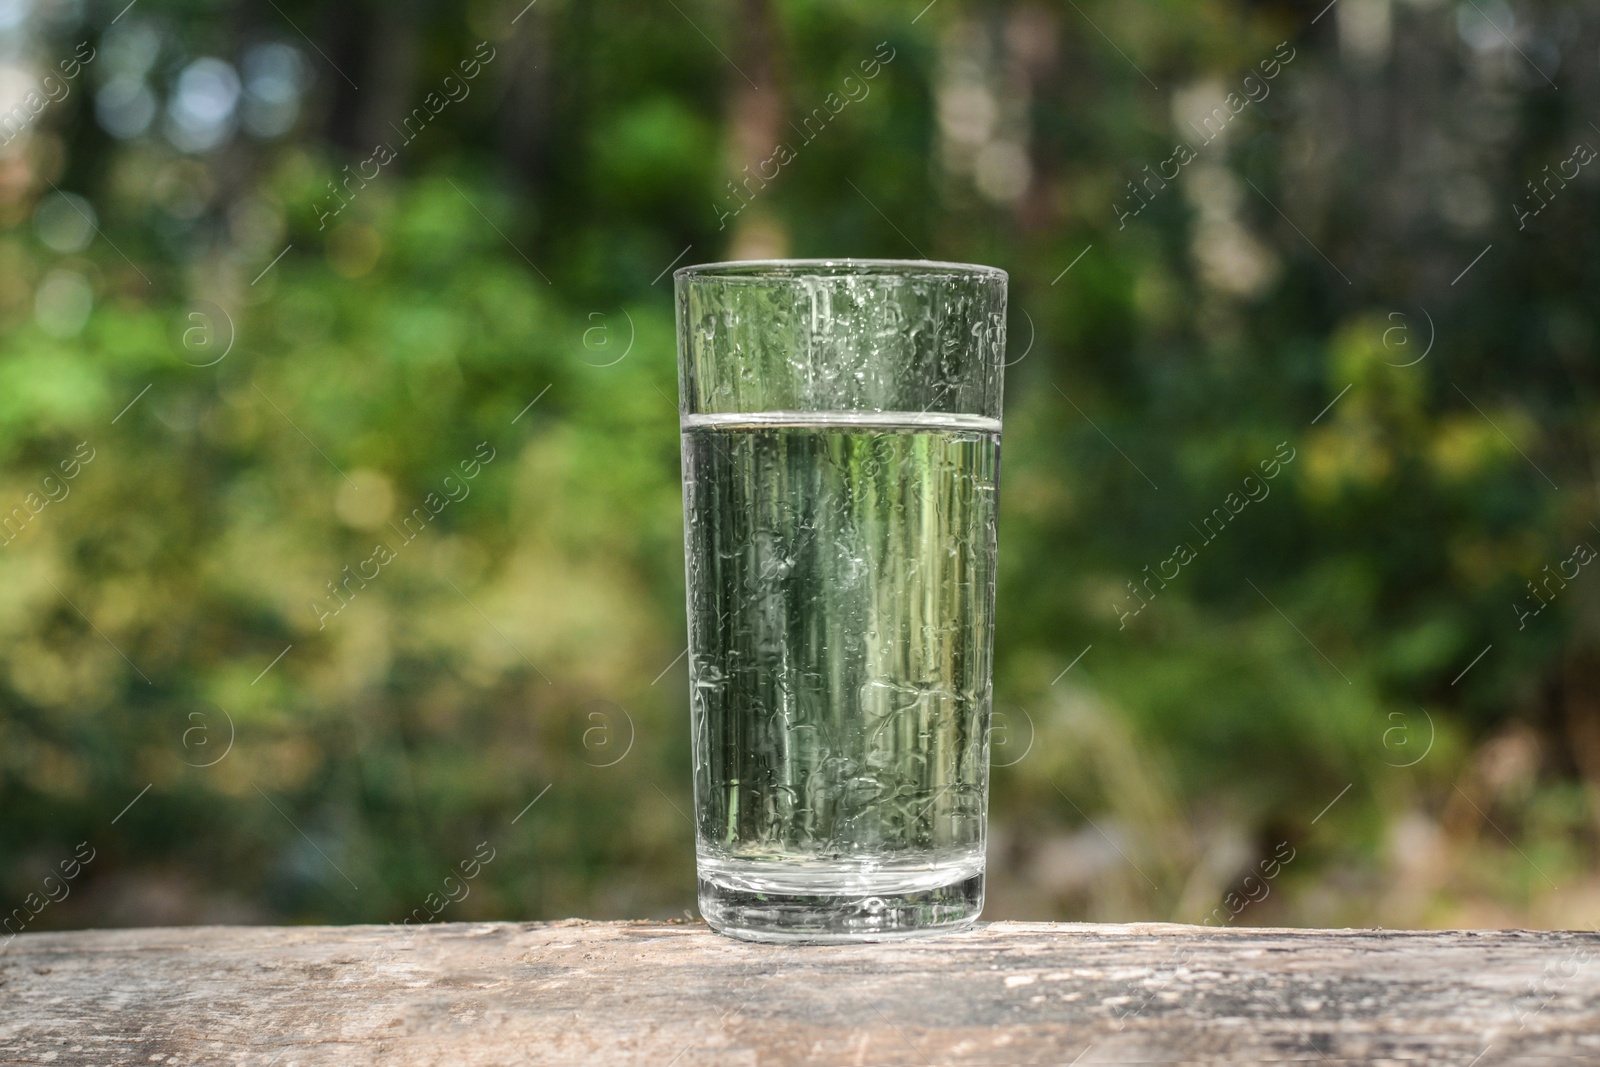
pixel 1352 665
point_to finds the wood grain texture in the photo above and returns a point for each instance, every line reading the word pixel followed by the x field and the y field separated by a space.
pixel 673 993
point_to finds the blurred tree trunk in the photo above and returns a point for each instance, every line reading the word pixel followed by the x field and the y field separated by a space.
pixel 1032 36
pixel 388 76
pixel 525 110
pixel 756 113
pixel 340 47
pixel 1581 710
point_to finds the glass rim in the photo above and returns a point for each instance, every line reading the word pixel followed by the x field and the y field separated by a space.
pixel 767 269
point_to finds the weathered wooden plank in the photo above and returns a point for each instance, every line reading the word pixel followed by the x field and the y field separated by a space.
pixel 662 993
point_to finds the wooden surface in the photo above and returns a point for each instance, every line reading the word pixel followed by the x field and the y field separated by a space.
pixel 673 993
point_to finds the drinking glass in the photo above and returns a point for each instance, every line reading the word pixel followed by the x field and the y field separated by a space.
pixel 841 452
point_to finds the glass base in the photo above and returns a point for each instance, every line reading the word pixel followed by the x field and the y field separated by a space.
pixel 838 902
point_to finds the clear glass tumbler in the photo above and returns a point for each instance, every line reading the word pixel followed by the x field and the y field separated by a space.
pixel 841 453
